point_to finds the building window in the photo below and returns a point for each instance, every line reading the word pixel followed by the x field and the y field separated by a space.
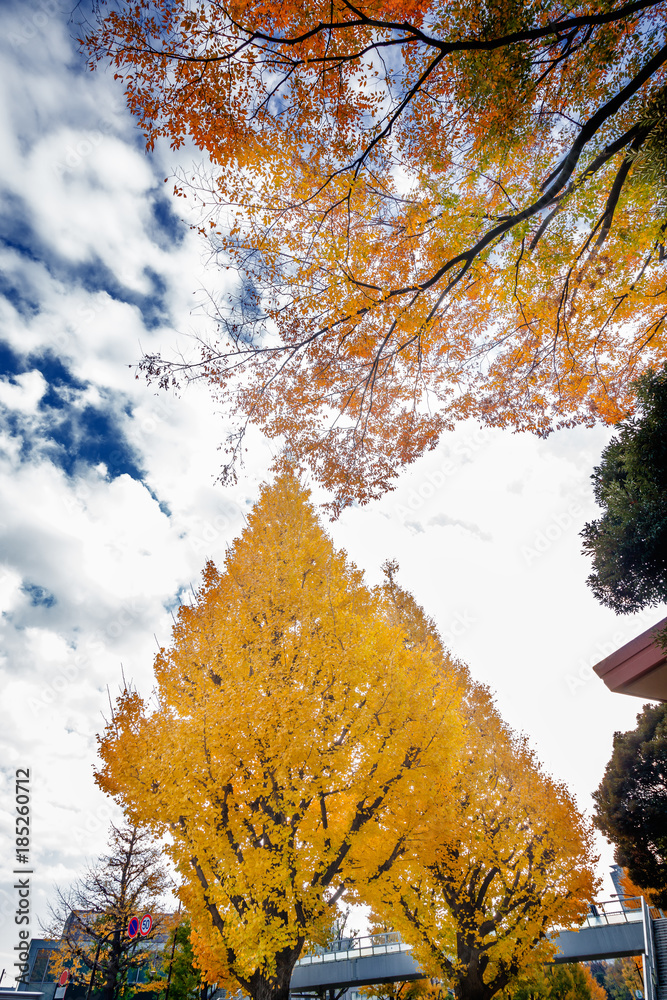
pixel 40 967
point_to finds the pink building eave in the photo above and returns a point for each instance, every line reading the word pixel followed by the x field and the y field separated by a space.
pixel 638 668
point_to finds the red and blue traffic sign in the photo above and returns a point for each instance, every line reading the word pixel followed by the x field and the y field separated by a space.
pixel 133 928
pixel 145 925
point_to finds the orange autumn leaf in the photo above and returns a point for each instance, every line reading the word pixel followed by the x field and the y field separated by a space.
pixel 439 210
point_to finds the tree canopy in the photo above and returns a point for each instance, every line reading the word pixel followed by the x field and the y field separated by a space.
pixel 631 802
pixel 628 542
pixel 503 861
pixel 619 979
pixel 560 982
pixel 439 209
pixel 91 918
pixel 176 975
pixel 297 731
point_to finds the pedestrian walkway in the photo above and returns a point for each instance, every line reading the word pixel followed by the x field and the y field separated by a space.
pixel 611 930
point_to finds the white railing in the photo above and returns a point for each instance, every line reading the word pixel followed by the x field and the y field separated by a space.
pixel 627 911
pixel 600 915
pixel 358 947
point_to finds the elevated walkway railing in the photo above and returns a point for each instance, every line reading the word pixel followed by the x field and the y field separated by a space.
pixel 649 958
pixel 615 912
pixel 604 914
pixel 365 946
pixel 625 911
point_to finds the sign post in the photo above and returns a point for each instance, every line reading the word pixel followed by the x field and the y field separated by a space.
pixel 61 988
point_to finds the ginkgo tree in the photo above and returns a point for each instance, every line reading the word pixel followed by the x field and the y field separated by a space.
pixel 506 858
pixel 439 208
pixel 297 734
pixel 569 981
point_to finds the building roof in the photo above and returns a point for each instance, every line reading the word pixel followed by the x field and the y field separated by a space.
pixel 638 668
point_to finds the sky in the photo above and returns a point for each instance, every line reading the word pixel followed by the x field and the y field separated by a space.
pixel 109 504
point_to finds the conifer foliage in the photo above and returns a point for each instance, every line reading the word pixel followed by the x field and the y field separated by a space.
pixel 297 735
pixel 631 802
pixel 628 542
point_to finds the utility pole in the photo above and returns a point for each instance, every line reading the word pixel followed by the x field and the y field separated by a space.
pixel 171 960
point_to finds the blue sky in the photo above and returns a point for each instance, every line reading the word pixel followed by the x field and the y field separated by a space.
pixel 108 500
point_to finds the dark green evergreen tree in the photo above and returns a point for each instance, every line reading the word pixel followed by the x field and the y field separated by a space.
pixel 631 802
pixel 629 542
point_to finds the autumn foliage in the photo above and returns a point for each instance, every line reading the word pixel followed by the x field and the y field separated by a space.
pixel 559 982
pixel 439 209
pixel 296 735
pixel 311 741
pixel 505 860
pixel 91 917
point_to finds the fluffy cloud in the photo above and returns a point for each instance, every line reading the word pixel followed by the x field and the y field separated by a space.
pixel 108 507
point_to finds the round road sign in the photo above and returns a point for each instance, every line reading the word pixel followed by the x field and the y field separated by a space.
pixel 145 925
pixel 133 928
pixel 64 977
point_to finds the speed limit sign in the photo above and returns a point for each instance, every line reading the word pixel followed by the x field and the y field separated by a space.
pixel 145 925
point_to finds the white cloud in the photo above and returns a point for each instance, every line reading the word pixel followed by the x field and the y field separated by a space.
pixel 445 521
pixel 24 393
pixel 91 561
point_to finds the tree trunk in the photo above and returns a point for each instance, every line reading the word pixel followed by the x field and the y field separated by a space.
pixel 470 983
pixel 111 984
pixel 262 987
pixel 276 988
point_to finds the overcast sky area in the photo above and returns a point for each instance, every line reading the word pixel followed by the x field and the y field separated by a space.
pixel 109 505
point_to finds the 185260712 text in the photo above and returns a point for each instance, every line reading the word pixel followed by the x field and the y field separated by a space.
pixel 22 869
